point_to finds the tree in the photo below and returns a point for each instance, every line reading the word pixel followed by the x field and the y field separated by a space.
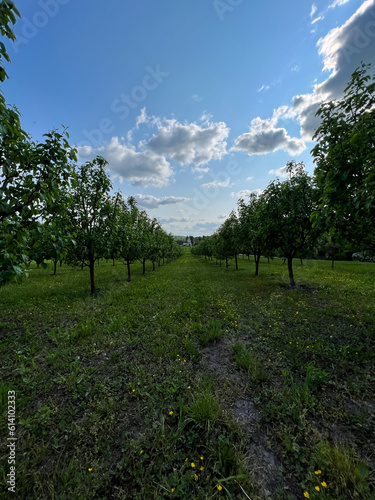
pixel 229 239
pixel 8 16
pixel 345 161
pixel 32 175
pixel 125 238
pixel 92 214
pixel 286 216
pixel 32 178
pixel 252 233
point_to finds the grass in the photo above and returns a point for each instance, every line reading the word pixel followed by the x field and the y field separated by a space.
pixel 117 395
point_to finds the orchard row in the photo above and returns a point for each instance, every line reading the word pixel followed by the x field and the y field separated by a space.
pixel 332 210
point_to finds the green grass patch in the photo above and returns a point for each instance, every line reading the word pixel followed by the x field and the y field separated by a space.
pixel 116 396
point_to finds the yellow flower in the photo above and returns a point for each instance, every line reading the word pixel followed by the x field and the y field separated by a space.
pixel 171 413
pixel 324 484
pixel 318 472
pixel 192 464
pixel 195 477
pixel 90 470
pixel 219 487
pixel 317 488
pixel 201 458
pixel 173 489
pixel 306 494
pixel 133 390
pixel 186 459
pixel 141 452
pixel 189 387
pixel 202 468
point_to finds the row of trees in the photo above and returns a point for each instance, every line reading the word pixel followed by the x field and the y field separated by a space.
pixel 335 207
pixel 275 222
pixel 52 209
pixel 92 224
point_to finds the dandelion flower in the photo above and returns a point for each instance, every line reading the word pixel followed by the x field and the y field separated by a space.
pixel 324 484
pixel 192 464
pixel 202 468
pixel 306 494
pixel 201 458
pixel 90 470
pixel 141 452
pixel 318 472
pixel 195 477
pixel 317 488
pixel 219 487
pixel 171 413
pixel 173 489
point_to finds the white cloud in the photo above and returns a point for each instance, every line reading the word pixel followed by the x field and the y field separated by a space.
pixel 342 49
pixel 143 168
pixel 185 143
pixel 264 88
pixel 314 8
pixel 215 184
pixel 338 3
pixel 264 137
pixel 196 98
pixel 189 143
pixel 170 220
pixel 280 172
pixel 250 179
pixel 205 227
pixel 149 201
pixel 245 193
pixel 319 18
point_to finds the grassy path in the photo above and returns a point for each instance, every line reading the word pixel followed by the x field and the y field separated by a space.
pixel 194 381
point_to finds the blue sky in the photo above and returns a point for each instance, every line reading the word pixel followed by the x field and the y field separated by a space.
pixel 194 103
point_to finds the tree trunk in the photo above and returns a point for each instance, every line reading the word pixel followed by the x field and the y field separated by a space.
pixel 290 269
pixel 159 263
pixel 226 262
pixel 153 265
pixel 61 262
pixel 163 261
pixel 144 266
pixel 128 264
pixel 301 261
pixel 92 277
pixel 37 265
pixel 54 266
pixel 257 259
pixel 235 258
